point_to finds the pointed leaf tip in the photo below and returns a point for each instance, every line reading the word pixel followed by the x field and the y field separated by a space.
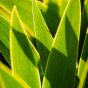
pixel 23 53
pixel 42 34
pixel 61 66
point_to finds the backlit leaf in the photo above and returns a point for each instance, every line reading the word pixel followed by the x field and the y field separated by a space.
pixel 42 34
pixel 4 38
pixel 84 56
pixel 61 66
pixel 83 76
pixel 24 8
pixel 8 81
pixel 24 56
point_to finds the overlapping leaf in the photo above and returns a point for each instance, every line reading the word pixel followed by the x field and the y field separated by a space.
pixel 84 25
pixel 25 11
pixel 84 76
pixel 24 56
pixel 61 66
pixel 84 56
pixel 4 12
pixel 8 81
pixel 4 32
pixel 43 36
pixel 56 8
pixel 59 4
pixel 24 8
pixel 4 38
pixel 86 8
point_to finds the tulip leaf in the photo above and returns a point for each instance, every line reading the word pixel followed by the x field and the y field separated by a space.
pixel 24 56
pixel 61 65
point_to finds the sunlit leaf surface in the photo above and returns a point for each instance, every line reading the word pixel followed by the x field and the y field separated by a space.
pixel 61 66
pixel 23 53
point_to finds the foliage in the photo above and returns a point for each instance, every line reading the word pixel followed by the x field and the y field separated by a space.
pixel 43 44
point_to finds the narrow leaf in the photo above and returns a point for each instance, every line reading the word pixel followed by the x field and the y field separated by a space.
pixel 84 56
pixel 86 8
pixel 59 4
pixel 84 25
pixel 56 8
pixel 4 38
pixel 4 12
pixel 83 76
pixel 61 66
pixel 43 36
pixel 23 54
pixel 8 81
pixel 24 9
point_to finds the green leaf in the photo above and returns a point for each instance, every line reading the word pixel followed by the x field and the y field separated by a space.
pixel 4 47
pixel 4 12
pixel 61 66
pixel 84 56
pixel 43 7
pixel 8 81
pixel 4 38
pixel 61 5
pixel 83 76
pixel 51 20
pixel 42 34
pixel 24 9
pixel 58 2
pixel 26 13
pixel 84 25
pixel 24 56
pixel 86 8
pixel 4 33
pixel 56 8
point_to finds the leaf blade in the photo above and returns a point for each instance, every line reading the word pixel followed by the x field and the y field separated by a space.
pixel 44 42
pixel 23 10
pixel 4 38
pixel 83 76
pixel 5 75
pixel 84 56
pixel 25 60
pixel 61 66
